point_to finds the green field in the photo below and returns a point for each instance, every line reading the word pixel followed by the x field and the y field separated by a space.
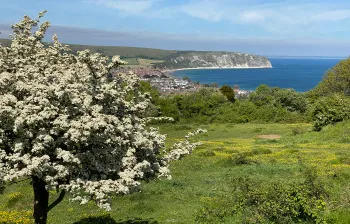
pixel 276 154
pixel 131 61
pixel 140 62
pixel 148 62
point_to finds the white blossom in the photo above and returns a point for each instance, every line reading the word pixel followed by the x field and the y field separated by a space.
pixel 65 120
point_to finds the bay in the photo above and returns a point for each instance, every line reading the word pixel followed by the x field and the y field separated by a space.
pixel 299 74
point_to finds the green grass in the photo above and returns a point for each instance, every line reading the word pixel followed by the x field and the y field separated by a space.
pixel 208 173
pixel 148 62
pixel 131 61
pixel 140 62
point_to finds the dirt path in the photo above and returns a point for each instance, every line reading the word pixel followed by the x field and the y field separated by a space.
pixel 271 136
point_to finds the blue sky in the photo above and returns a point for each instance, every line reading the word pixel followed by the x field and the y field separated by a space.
pixel 266 27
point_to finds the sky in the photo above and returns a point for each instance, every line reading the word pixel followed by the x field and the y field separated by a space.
pixel 264 27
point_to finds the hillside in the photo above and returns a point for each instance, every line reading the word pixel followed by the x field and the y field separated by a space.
pixel 172 59
pixel 214 60
pixel 5 42
pixel 205 180
pixel 124 52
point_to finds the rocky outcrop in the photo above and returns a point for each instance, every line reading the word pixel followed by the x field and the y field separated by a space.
pixel 215 60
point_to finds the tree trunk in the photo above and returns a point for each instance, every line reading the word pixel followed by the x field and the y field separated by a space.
pixel 41 200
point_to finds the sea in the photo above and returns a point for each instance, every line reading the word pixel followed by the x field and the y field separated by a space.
pixel 301 74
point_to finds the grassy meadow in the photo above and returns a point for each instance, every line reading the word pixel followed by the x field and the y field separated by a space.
pixel 265 153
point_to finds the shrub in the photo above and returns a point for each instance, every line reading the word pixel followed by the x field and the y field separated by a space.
pixel 228 92
pixel 200 105
pixel 243 111
pixel 288 99
pixel 250 201
pixel 263 95
pixel 291 100
pixel 336 80
pixel 209 105
pixel 146 88
pixel 107 219
pixel 330 110
pixel 242 159
pixel 298 131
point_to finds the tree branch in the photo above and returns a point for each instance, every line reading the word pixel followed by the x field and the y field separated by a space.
pixel 57 201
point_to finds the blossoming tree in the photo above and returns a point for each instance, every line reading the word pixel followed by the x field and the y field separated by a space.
pixel 69 125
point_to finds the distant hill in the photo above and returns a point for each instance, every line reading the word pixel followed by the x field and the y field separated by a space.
pixel 212 59
pixel 172 59
pixel 124 52
pixel 5 42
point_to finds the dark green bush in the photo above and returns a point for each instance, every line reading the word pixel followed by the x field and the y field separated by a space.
pixel 107 219
pixel 330 110
pixel 228 92
pixel 242 159
pixel 103 219
pixel 336 80
pixel 209 105
pixel 243 111
pixel 263 95
pixel 291 100
pixel 203 103
pixel 288 99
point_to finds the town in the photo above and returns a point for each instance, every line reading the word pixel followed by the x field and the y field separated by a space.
pixel 162 80
pixel 165 83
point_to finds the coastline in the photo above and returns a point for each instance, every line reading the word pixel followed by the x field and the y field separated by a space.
pixel 169 71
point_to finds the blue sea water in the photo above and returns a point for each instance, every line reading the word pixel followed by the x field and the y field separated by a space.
pixel 299 74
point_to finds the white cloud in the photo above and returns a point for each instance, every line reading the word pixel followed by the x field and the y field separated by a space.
pixel 207 10
pixel 252 16
pixel 280 17
pixel 127 6
pixel 277 18
pixel 268 15
pixel 141 8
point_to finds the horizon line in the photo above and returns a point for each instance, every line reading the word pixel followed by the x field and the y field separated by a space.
pixel 268 56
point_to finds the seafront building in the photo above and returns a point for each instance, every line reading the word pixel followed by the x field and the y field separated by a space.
pixel 161 80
